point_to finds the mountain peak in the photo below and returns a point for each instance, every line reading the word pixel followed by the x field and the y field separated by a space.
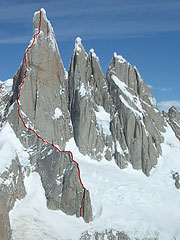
pixel 78 41
pixel 43 14
pixel 78 44
pixel 42 24
pixel 119 58
pixel 93 54
pixel 172 109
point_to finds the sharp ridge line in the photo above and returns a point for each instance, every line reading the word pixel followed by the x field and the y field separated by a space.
pixel 32 130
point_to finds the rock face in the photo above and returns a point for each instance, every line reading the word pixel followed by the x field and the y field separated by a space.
pixel 173 118
pixel 176 178
pixel 5 230
pixel 11 188
pixel 121 116
pixel 88 96
pixel 44 92
pixel 60 180
pixel 44 108
pixel 137 123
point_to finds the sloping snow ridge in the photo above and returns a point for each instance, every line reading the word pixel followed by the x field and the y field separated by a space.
pixel 133 99
pixel 10 147
pixel 124 200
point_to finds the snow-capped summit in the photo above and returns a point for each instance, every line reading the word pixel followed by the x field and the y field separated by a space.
pixel 92 52
pixel 78 41
pixel 79 48
pixel 119 58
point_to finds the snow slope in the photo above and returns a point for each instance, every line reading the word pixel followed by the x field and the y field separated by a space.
pixel 124 200
pixel 10 147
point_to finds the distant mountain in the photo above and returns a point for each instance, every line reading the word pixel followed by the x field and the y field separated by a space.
pixel 119 156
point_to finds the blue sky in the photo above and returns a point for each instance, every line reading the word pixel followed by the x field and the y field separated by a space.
pixel 145 32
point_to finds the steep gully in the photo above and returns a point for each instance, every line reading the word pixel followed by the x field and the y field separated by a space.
pixel 32 130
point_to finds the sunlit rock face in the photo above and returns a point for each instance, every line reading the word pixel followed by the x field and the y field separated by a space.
pixel 44 108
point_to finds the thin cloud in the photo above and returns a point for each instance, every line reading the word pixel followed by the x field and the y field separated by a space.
pixel 165 105
pixel 164 89
pixel 137 7
pixel 16 12
pixel 150 86
pixel 15 40
pixel 102 20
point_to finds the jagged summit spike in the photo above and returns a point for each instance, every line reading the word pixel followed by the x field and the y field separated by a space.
pixel 93 54
pixel 119 58
pixel 46 27
pixel 78 46
pixel 78 41
pixel 43 12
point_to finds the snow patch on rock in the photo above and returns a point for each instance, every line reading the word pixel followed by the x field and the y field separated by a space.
pixel 119 58
pixel 119 149
pixel 82 90
pixel 103 120
pixel 57 114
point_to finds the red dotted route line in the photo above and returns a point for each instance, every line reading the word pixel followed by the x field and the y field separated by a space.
pixel 34 130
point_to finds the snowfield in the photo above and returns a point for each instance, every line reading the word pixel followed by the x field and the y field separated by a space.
pixel 124 200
